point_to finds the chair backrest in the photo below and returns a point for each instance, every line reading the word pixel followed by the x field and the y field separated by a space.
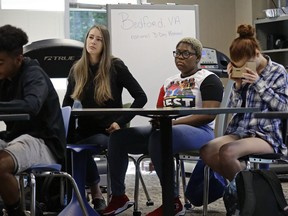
pixel 285 131
pixel 222 119
pixel 66 112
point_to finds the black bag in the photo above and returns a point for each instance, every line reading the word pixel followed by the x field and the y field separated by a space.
pixel 258 192
pixel 47 195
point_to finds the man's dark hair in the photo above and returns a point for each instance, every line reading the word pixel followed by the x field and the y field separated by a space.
pixel 12 39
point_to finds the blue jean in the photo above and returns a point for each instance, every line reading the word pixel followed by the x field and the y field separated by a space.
pixel 143 140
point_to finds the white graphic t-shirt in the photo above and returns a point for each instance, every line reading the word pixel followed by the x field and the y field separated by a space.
pixel 184 92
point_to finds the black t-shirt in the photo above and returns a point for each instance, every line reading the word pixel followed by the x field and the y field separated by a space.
pixel 120 78
pixel 31 91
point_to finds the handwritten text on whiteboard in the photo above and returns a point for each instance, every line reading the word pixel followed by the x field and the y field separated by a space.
pixel 158 27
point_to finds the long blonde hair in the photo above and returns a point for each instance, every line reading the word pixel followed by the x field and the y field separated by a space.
pixel 102 91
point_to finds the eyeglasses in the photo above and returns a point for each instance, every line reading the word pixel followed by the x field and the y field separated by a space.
pixel 185 54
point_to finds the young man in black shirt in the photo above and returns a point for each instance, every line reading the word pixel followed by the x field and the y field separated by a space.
pixel 25 86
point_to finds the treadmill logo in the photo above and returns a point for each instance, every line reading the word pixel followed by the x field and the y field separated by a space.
pixel 59 58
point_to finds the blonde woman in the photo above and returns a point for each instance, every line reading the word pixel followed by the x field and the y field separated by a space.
pixel 97 81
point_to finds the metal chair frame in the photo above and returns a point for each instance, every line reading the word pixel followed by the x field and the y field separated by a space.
pixel 274 158
pixel 44 170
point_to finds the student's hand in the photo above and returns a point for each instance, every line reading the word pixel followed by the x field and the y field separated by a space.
pixel 238 81
pixel 250 76
pixel 113 127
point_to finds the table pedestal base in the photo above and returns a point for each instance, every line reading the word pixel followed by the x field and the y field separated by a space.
pixel 74 209
pixel 78 161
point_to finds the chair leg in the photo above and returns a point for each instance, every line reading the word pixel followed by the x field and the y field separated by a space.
pixel 136 187
pixel 138 176
pixel 33 194
pixel 22 191
pixel 76 191
pixel 149 202
pixel 178 172
pixel 187 204
pixel 58 174
pixel 108 182
pixel 206 190
pixel 205 187
pixel 63 196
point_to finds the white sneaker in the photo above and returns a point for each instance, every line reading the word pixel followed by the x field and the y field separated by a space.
pixel 5 213
pixel 27 213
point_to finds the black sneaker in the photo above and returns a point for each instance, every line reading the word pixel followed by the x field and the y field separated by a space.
pixel 99 204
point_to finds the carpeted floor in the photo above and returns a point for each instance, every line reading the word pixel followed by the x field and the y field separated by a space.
pixel 155 193
pixel 152 183
pixel 153 186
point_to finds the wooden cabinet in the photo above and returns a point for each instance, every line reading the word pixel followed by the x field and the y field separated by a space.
pixel 272 34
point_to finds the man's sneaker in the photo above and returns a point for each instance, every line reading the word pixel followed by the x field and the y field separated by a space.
pixel 5 213
pixel 179 210
pixel 99 204
pixel 117 205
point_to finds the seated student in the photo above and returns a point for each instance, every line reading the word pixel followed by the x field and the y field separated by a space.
pixel 192 87
pixel 266 88
pixel 97 80
pixel 40 140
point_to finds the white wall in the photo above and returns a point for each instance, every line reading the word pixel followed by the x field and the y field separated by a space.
pixel 240 17
pixel 38 25
pixel 218 22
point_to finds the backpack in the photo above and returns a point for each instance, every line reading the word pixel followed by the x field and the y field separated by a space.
pixel 254 193
pixel 194 190
pixel 48 198
pixel 48 193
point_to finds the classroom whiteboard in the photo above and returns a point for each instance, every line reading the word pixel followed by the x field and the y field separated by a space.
pixel 144 37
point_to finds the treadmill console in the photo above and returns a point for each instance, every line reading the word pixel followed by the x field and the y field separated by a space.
pixel 214 61
pixel 209 58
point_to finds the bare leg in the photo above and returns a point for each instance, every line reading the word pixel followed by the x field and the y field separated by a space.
pixel 222 153
pixel 210 152
pixel 9 189
pixel 231 152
